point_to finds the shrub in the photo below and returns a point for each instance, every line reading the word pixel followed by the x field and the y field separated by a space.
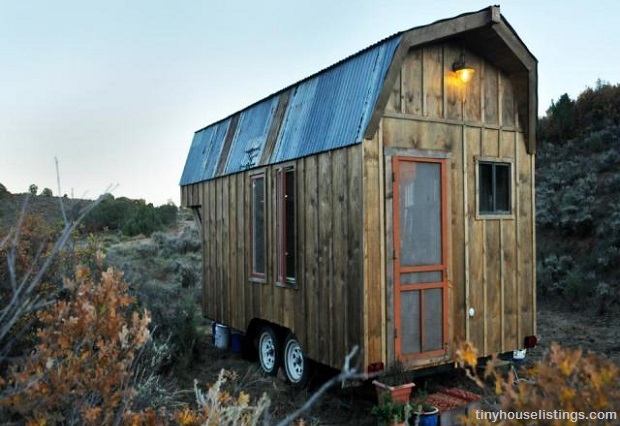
pixel 24 257
pixel 33 189
pixel 578 286
pixel 80 370
pixel 143 220
pixel 186 334
pixel 566 380
pixel 167 213
pixel 552 271
pixel 218 407
pixel 47 192
pixel 187 242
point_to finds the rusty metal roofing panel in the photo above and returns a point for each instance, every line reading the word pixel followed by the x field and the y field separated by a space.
pixel 204 153
pixel 250 136
pixel 332 109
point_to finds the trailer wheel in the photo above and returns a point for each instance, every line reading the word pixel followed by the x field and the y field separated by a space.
pixel 269 350
pixel 295 362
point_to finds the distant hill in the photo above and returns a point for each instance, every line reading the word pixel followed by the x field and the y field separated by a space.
pixel 578 199
pixel 46 207
pixel 131 217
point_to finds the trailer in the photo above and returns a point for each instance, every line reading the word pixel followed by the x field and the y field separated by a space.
pixel 386 201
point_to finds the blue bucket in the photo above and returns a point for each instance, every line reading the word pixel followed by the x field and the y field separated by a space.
pixel 236 340
pixel 222 336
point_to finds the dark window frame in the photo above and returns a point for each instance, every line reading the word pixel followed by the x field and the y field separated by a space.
pixel 286 232
pixel 495 166
pixel 254 275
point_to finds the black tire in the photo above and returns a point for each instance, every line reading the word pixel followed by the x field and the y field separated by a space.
pixel 269 350
pixel 295 363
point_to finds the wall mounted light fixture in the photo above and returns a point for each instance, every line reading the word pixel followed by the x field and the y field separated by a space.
pixel 462 71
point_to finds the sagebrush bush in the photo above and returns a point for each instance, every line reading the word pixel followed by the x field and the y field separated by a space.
pixel 577 212
pixel 552 271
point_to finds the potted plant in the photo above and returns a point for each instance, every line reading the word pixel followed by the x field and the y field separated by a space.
pixel 396 382
pixel 424 414
pixel 392 413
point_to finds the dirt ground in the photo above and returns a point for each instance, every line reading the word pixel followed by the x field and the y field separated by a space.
pixel 352 405
pixel 575 328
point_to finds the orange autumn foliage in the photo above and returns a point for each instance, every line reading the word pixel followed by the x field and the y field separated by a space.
pixel 565 380
pixel 80 371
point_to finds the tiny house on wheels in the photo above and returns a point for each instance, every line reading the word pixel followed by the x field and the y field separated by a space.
pixel 386 201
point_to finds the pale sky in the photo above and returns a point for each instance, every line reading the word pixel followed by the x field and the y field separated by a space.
pixel 115 89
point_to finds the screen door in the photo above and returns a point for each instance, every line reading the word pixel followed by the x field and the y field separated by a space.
pixel 420 218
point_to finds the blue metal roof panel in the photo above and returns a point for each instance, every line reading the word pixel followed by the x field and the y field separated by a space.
pixel 251 135
pixel 332 109
pixel 328 110
pixel 204 153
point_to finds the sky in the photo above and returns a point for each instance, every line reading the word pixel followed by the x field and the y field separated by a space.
pixel 115 89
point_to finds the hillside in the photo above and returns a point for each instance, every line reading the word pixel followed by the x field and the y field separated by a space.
pixel 45 207
pixel 578 200
pixel 130 217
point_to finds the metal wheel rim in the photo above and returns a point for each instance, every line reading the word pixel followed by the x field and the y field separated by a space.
pixel 267 352
pixel 294 360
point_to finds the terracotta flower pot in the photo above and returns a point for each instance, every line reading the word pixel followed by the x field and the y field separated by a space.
pixel 399 393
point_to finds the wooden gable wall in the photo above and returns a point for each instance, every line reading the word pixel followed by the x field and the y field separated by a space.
pixel 492 265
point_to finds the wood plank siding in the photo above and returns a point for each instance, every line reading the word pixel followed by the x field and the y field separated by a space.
pixel 416 127
pixel 492 260
pixel 324 307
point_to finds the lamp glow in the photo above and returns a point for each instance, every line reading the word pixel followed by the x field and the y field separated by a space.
pixel 462 71
pixel 465 74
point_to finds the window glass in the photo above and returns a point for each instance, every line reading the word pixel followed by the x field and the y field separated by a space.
pixel 502 185
pixel 285 215
pixel 289 215
pixel 486 188
pixel 494 188
pixel 258 225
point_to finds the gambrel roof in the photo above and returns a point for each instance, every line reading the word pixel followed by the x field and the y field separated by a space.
pixel 341 105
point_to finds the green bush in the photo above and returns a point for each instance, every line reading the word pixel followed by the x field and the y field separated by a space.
pixel 143 220
pixel 167 213
pixel 552 272
pixel 47 192
pixel 594 109
pixel 132 217
pixel 578 286
pixel 110 214
pixel 33 189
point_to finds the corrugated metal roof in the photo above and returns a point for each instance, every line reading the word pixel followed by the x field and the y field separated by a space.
pixel 204 153
pixel 251 135
pixel 328 110
pixel 332 109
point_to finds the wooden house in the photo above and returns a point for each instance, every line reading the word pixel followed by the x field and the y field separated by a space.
pixel 386 201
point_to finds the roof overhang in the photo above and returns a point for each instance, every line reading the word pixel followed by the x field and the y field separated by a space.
pixel 489 35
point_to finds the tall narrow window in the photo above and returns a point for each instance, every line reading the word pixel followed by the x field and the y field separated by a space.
pixel 285 219
pixel 258 225
pixel 494 188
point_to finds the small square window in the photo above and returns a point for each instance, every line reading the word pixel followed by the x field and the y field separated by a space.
pixel 494 188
